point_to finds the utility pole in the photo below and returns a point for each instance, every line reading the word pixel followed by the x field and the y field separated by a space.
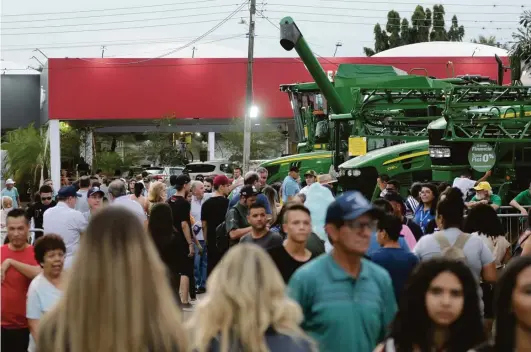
pixel 193 51
pixel 103 47
pixel 338 44
pixel 249 97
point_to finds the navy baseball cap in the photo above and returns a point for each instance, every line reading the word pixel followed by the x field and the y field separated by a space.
pixel 94 190
pixel 349 206
pixel 68 191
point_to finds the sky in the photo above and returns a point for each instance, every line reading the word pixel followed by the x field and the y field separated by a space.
pixel 146 29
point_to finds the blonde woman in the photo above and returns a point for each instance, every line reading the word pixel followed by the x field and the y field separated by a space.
pixel 246 308
pixel 110 304
pixel 157 194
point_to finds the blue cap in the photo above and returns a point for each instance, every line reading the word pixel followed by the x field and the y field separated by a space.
pixel 68 191
pixel 348 206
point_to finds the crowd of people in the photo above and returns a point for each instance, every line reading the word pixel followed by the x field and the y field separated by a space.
pixel 282 267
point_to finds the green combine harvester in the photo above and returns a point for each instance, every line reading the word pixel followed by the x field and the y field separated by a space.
pixel 324 144
pixel 374 120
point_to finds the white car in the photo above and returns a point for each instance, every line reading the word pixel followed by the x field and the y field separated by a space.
pixel 163 173
pixel 209 169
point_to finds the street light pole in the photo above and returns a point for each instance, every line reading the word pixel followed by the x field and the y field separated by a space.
pixel 249 95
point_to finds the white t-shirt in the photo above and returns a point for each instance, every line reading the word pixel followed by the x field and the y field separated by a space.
pixel 134 206
pixel 464 184
pixel 42 296
pixel 67 223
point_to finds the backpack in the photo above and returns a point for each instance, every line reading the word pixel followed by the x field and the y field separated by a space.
pixel 518 247
pixel 222 236
pixel 454 252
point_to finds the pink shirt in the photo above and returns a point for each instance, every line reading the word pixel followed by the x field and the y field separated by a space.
pixel 408 237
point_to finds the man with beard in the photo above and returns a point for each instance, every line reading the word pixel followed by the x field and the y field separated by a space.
pixel 260 234
pixel 484 195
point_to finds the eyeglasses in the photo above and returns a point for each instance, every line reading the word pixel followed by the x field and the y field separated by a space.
pixel 46 198
pixel 356 225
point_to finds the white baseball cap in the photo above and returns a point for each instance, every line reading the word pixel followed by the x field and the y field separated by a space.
pixel 10 181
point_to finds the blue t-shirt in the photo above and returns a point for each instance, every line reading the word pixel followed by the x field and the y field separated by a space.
pixel 399 263
pixel 423 217
pixel 260 199
pixel 374 246
pixel 290 187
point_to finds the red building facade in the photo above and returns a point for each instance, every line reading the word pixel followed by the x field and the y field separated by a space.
pixel 127 89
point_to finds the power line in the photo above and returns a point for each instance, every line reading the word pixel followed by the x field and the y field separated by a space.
pixel 113 29
pixel 116 14
pixel 369 17
pixel 386 10
pixel 416 3
pixel 107 9
pixel 65 45
pixel 123 21
pixel 236 36
pixel 397 25
pixel 222 22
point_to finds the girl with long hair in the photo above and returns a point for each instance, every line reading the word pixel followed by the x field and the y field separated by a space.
pixel 425 212
pixel 157 194
pixel 119 299
pixel 138 195
pixel 438 311
pixel 482 220
pixel 246 307
pixel 513 309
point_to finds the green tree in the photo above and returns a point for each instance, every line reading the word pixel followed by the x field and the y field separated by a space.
pixel 393 28
pixel 521 50
pixel 456 32
pixel 491 41
pixel 264 145
pixel 70 143
pixel 27 154
pixel 426 25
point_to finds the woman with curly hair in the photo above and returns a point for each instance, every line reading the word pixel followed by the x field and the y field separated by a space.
pixel 438 311
pixel 246 308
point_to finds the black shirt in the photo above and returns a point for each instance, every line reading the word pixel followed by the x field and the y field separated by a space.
pixel 285 262
pixel 180 209
pixel 36 211
pixel 268 241
pixel 213 213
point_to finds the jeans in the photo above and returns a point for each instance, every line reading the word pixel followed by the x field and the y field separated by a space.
pixel 200 266
pixel 15 340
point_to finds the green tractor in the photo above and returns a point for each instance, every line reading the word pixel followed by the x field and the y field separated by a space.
pixel 348 116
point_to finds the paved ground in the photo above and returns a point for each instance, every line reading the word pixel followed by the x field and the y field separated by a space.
pixel 186 314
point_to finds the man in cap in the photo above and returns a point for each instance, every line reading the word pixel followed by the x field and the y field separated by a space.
pixel 484 195
pixel 236 223
pixel 290 185
pixel 11 191
pixel 95 200
pixel 310 177
pixel 66 222
pixel 252 178
pixel 399 210
pixel 347 301
pixel 213 213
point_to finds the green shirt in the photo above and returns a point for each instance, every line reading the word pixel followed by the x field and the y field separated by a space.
pixel 494 199
pixel 523 198
pixel 343 313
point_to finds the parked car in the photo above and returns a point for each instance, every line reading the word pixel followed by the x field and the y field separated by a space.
pixel 209 169
pixel 163 173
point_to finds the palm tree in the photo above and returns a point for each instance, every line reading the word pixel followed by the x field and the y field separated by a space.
pixel 521 49
pixel 27 153
pixel 490 40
